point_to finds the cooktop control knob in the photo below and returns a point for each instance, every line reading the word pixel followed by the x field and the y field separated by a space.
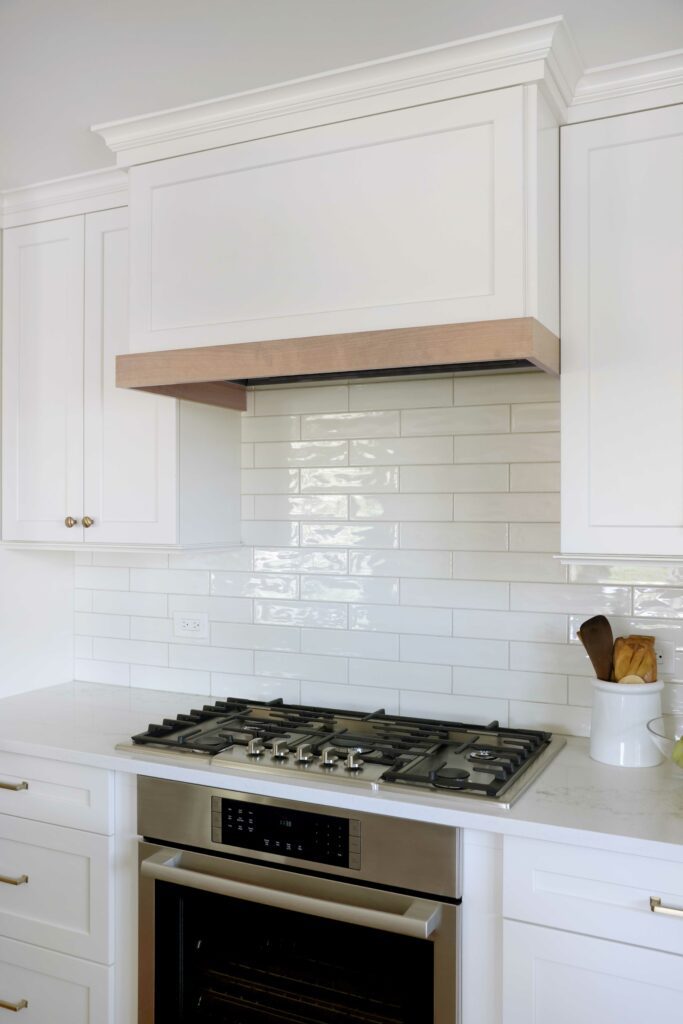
pixel 280 750
pixel 329 758
pixel 304 754
pixel 255 747
pixel 353 762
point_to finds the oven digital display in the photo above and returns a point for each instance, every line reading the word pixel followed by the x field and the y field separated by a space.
pixel 300 834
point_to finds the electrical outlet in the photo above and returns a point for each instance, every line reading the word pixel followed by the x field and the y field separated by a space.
pixel 666 653
pixel 191 624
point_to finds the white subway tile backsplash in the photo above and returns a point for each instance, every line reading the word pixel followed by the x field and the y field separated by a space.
pixel 280 401
pixel 403 507
pixel 351 644
pixel 535 476
pixel 350 535
pixel 350 424
pixel 301 666
pixel 429 564
pixel 323 614
pixel 390 618
pixel 455 594
pixel 455 651
pixel 302 453
pixel 507 448
pixel 455 536
pixel 304 506
pixel 470 419
pixel 397 552
pixel 349 588
pixel 403 675
pixel 487 682
pixel 401 394
pixel 401 451
pixel 536 416
pixel 349 479
pixel 455 479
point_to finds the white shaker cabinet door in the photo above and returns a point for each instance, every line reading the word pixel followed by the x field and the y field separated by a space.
pixel 414 216
pixel 555 976
pixel 130 453
pixel 622 335
pixel 43 380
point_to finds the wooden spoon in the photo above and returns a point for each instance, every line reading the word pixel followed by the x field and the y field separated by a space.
pixel 596 636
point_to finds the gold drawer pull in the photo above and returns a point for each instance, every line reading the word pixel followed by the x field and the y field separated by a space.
pixel 657 908
pixel 14 1007
pixel 8 880
pixel 14 786
pixel 70 522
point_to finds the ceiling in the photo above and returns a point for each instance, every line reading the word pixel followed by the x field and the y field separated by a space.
pixel 69 64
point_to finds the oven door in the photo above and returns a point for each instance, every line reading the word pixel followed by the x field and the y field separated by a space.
pixel 229 942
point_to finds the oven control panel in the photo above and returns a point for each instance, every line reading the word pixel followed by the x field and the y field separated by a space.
pixel 304 835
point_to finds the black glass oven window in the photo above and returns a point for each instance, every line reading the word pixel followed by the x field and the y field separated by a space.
pixel 220 960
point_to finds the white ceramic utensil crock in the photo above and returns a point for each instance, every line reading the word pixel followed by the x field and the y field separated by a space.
pixel 619 733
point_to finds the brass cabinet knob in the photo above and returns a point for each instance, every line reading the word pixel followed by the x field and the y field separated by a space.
pixel 88 522
pixel 69 522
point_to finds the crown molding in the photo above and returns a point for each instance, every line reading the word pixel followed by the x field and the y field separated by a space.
pixel 624 88
pixel 541 52
pixel 65 197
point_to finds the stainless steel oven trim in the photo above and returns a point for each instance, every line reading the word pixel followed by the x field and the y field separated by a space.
pixel 438 922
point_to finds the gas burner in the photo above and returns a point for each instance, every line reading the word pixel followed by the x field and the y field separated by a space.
pixel 482 755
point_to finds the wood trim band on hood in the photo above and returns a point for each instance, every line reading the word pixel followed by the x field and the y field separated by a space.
pixel 219 374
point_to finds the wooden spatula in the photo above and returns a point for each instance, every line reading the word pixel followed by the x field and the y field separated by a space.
pixel 596 636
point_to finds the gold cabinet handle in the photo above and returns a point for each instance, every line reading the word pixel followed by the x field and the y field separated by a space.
pixel 88 522
pixel 8 880
pixel 70 522
pixel 14 786
pixel 657 908
pixel 14 1007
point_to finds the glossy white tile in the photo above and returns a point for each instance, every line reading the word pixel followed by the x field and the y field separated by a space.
pixel 350 644
pixel 350 535
pixel 511 565
pixel 170 581
pixel 535 417
pixel 508 625
pixel 455 536
pixel 89 624
pixel 270 481
pixel 506 508
pixel 255 636
pixel 455 594
pixel 454 707
pixel 350 698
pixel 300 560
pixel 554 717
pixel 535 476
pixel 270 534
pixel 125 602
pixel 238 584
pixel 401 394
pixel 401 451
pixel 322 614
pixel 350 424
pixel 211 659
pixel 487 682
pixel 389 618
pixel 365 479
pixel 509 387
pixel 349 588
pixel 304 506
pixel 234 559
pixel 403 675
pixel 658 602
pixel 419 564
pixel 589 600
pixel 470 419
pixel 402 507
pixel 177 680
pixel 271 428
pixel 535 537
pixel 507 448
pixel 301 453
pixel 455 651
pixel 280 401
pixel 421 479
pixel 247 456
pixel 301 666
pixel 97 578
pixel 131 559
pixel 250 687
pixel 555 658
pixel 138 652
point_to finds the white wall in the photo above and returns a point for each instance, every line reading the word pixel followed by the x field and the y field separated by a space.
pixel 399 543
pixel 67 65
pixel 36 620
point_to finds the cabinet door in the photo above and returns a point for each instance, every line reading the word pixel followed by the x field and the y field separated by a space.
pixel 43 380
pixel 130 454
pixel 564 978
pixel 622 335
pixel 414 216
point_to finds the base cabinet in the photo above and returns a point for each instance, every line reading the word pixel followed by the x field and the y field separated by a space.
pixel 551 975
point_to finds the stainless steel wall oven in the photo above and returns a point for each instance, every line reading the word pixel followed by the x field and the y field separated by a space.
pixel 257 911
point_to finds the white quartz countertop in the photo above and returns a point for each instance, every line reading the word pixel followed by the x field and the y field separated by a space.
pixel 575 800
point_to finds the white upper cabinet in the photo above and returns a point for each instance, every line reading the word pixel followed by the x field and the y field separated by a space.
pixel 622 335
pixel 139 469
pixel 440 213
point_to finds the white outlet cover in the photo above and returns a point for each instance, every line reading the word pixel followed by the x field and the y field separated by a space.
pixel 191 625
pixel 666 654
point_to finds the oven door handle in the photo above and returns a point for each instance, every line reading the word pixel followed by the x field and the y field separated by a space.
pixel 416 917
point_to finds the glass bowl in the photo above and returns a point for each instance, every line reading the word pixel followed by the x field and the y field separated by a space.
pixel 666 731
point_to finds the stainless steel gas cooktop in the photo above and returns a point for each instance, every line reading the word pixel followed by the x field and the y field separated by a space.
pixel 373 749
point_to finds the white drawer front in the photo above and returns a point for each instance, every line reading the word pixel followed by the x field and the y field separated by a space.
pixel 594 892
pixel 62 897
pixel 554 977
pixel 58 989
pixel 65 794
